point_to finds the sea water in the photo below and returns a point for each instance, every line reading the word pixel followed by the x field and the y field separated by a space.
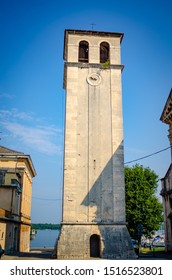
pixel 45 238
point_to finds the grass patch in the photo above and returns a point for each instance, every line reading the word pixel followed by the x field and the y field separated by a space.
pixel 144 250
pixel 153 250
pixel 158 249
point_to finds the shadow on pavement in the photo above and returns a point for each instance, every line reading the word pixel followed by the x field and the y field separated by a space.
pixel 33 254
pixel 156 256
pixel 49 254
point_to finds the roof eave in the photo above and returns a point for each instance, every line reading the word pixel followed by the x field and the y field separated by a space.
pixel 164 114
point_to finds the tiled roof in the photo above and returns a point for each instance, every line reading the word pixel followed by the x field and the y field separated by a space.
pixel 6 151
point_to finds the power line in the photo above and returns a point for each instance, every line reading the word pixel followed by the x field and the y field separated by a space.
pixel 150 155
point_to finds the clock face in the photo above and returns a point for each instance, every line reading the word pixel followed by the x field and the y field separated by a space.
pixel 94 79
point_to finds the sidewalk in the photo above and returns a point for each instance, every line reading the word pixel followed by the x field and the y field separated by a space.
pixel 34 254
pixel 47 254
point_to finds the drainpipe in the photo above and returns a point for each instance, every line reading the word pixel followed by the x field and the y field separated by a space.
pixel 12 195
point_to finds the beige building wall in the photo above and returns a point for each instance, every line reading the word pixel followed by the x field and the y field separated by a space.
pixel 94 47
pixel 93 152
pixel 23 168
pixel 2 231
pixel 94 191
pixel 15 200
pixel 26 194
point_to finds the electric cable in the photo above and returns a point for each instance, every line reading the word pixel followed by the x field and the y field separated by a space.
pixel 150 155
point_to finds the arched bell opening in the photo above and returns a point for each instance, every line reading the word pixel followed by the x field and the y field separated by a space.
pixel 83 52
pixel 104 52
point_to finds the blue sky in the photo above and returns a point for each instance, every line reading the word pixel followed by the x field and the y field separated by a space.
pixel 31 83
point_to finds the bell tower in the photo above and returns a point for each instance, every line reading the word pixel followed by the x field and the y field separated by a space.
pixel 93 220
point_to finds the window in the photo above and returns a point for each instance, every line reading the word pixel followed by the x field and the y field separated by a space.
pixel 83 51
pixel 2 177
pixel 104 52
pixel 16 184
pixel 170 200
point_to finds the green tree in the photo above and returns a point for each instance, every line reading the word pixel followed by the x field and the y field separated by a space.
pixel 45 226
pixel 142 205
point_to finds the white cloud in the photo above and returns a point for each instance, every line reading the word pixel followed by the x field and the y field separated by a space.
pixel 14 114
pixel 39 139
pixel 6 95
pixel 46 139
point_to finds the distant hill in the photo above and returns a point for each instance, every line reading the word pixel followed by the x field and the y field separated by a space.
pixel 46 226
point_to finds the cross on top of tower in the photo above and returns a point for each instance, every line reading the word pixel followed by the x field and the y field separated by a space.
pixel 92 24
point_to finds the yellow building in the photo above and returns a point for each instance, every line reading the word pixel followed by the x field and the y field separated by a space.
pixel 16 173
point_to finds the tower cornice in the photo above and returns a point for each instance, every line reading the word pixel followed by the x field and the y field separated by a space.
pixel 89 65
pixel 94 33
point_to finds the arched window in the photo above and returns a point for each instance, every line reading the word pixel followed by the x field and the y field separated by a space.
pixel 83 51
pixel 104 52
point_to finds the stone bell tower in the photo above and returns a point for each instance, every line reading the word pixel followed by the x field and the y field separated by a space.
pixel 93 222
